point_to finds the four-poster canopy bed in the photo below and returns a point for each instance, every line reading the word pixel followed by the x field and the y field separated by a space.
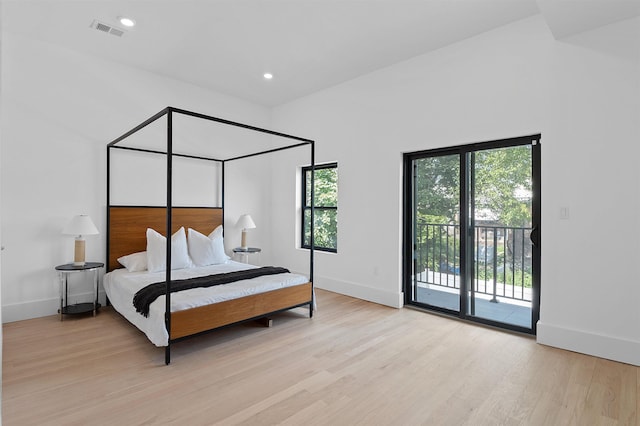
pixel 176 315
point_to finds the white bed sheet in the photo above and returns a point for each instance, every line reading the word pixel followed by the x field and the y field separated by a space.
pixel 121 286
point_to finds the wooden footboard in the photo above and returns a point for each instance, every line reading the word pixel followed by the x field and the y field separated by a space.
pixel 204 318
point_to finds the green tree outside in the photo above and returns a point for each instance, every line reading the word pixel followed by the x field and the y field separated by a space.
pixel 502 194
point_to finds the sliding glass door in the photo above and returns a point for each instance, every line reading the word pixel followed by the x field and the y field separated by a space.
pixel 471 230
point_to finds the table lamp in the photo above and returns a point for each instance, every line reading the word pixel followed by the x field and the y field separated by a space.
pixel 79 226
pixel 245 222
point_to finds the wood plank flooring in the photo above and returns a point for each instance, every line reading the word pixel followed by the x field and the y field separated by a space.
pixel 354 363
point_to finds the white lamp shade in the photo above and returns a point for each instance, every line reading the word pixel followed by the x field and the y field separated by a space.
pixel 80 225
pixel 245 222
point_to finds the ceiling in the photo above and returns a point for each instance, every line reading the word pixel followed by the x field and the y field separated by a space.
pixel 308 45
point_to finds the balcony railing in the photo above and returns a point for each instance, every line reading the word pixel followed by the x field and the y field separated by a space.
pixel 501 254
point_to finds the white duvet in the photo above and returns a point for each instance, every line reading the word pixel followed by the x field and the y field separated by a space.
pixel 121 286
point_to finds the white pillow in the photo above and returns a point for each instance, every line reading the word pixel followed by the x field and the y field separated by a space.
pixel 216 232
pixel 207 250
pixel 157 251
pixel 134 262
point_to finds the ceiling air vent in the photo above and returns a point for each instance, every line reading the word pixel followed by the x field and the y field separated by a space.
pixel 105 28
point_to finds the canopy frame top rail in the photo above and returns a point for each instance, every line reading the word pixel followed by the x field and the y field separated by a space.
pixel 300 141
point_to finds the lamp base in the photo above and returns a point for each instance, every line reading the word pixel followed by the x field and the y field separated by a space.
pixel 78 253
pixel 243 242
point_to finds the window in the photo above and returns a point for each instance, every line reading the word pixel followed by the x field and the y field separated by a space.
pixel 326 207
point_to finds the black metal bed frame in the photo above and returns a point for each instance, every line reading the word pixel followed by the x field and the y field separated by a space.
pixel 168 112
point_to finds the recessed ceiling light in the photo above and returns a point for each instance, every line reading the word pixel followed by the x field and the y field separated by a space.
pixel 127 22
pixel 268 76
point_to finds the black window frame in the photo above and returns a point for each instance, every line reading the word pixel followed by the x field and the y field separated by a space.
pixel 305 207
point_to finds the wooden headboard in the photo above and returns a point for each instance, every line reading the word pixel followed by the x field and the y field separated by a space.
pixel 127 231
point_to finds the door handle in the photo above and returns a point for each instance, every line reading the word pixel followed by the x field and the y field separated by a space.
pixel 534 236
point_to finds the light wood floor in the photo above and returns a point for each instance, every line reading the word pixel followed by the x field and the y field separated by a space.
pixel 353 363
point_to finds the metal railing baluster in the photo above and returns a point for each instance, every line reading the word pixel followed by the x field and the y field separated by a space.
pixel 435 241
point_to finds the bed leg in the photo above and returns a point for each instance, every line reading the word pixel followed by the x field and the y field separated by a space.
pixel 167 355
pixel 266 322
pixel 310 310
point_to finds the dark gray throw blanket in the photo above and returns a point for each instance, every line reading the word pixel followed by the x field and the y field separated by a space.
pixel 145 296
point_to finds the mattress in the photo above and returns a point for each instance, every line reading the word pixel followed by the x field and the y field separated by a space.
pixel 121 285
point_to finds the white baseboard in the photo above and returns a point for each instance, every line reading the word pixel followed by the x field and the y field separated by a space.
pixel 609 347
pixel 42 308
pixel 29 310
pixel 382 297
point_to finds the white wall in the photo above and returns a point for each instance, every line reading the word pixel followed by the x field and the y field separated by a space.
pixel 590 296
pixel 581 94
pixel 59 110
